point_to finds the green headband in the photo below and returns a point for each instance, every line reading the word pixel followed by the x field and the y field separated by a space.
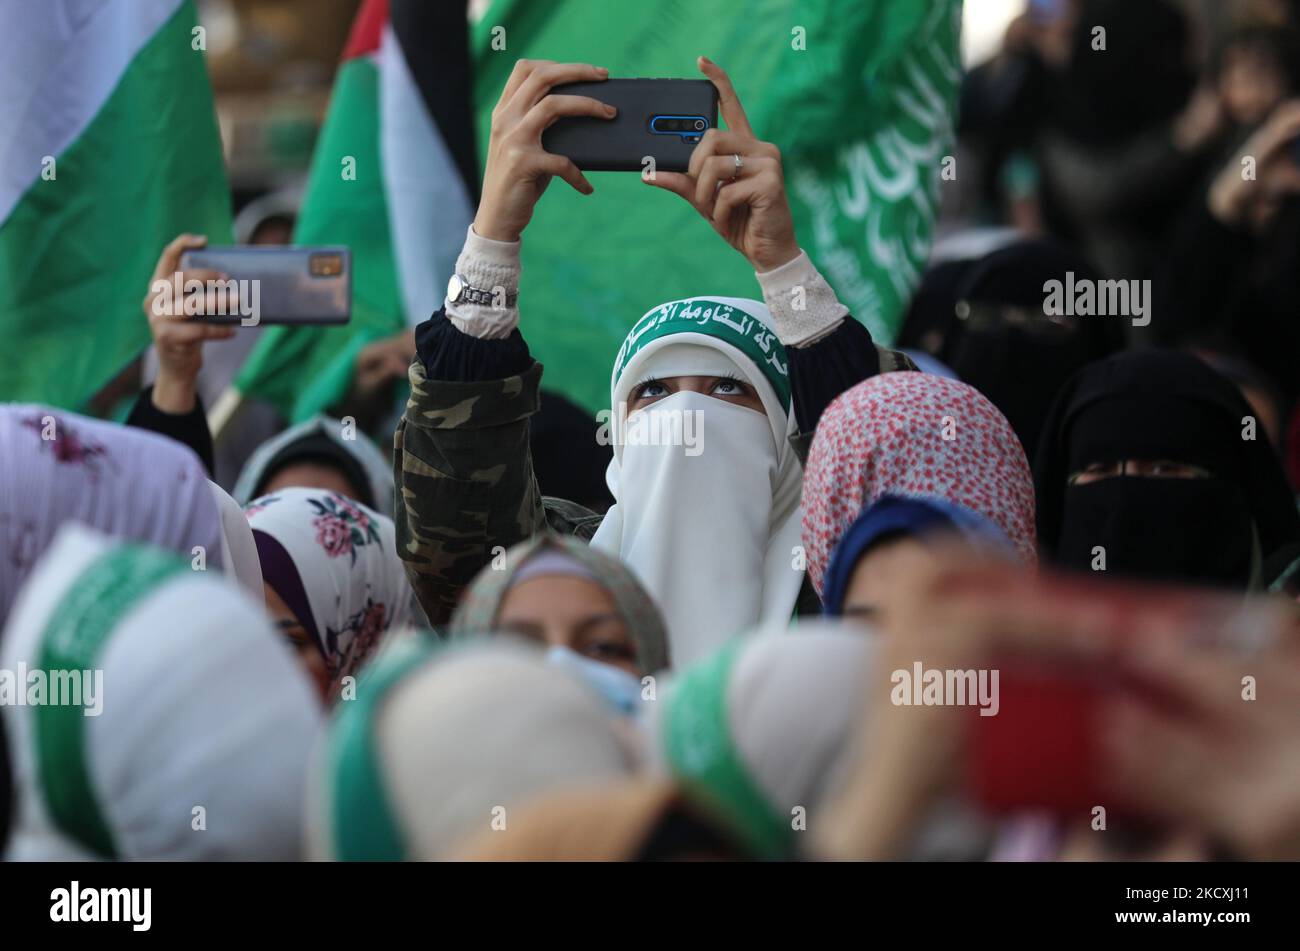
pixel 73 639
pixel 743 331
pixel 702 756
pixel 361 816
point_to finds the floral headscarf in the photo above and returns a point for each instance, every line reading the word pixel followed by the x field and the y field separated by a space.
pixel 482 600
pixel 334 563
pixel 915 435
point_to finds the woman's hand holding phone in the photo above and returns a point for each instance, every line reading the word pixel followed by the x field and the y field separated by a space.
pixel 518 168
pixel 744 201
pixel 177 341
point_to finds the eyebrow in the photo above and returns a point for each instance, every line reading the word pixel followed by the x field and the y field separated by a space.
pixel 592 620
pixel 522 628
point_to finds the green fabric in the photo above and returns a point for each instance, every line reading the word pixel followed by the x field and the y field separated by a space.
pixel 77 252
pixel 362 822
pixel 862 116
pixel 703 758
pixel 307 370
pixel 73 640
pixel 743 331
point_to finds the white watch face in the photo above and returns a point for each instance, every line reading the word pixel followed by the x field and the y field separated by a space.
pixel 454 288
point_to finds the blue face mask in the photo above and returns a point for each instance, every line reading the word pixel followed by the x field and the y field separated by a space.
pixel 617 689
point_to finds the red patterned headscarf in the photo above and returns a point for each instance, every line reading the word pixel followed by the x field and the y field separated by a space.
pixel 919 435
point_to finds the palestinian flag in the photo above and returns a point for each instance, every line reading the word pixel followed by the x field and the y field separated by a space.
pixel 394 176
pixel 108 150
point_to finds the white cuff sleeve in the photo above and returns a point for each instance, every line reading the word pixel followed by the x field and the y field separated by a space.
pixel 487 264
pixel 804 307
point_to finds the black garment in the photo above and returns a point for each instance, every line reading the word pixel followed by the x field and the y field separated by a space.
pixel 188 429
pixel 1112 177
pixel 984 319
pixel 1155 405
pixel 822 371
pixel 448 354
pixel 1226 289
pixel 1142 77
pixel 568 460
pixel 1190 531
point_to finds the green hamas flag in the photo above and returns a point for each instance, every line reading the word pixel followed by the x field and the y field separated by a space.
pixel 857 94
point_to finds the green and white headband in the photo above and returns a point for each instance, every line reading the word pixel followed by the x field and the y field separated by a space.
pixel 741 324
pixel 705 760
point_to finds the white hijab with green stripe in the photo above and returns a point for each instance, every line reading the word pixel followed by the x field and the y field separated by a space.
pixel 762 727
pixel 200 747
pixel 443 743
pixel 712 535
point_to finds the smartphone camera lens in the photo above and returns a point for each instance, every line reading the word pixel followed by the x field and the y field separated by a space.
pixel 700 125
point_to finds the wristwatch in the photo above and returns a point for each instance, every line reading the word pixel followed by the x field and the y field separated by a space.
pixel 460 291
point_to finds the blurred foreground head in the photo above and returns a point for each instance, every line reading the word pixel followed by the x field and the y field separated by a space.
pixel 441 746
pixel 189 726
pixel 757 733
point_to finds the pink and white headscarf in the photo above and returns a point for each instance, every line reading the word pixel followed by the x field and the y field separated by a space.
pixel 334 563
pixel 58 467
pixel 919 435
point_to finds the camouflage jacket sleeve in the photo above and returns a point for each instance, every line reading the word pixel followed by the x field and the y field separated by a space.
pixel 465 480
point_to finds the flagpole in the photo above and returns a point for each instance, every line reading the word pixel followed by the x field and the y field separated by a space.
pixel 223 411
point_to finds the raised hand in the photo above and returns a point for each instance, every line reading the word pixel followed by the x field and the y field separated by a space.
pixel 518 168
pixel 736 182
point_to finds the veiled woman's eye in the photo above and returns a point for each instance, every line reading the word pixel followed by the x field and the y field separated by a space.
pixel 1095 471
pixel 728 388
pixel 1169 469
pixel 609 650
pixel 650 390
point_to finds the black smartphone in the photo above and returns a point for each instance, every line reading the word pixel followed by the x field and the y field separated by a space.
pixel 280 284
pixel 659 119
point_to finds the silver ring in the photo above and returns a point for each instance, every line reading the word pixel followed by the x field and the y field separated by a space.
pixel 739 166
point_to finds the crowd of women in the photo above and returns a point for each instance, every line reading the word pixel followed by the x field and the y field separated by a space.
pixel 759 650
